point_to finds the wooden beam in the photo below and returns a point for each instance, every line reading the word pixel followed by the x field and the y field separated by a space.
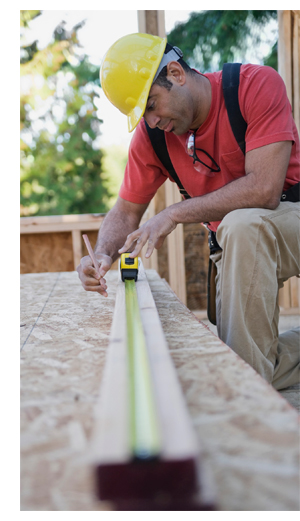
pixel 152 262
pixel 289 57
pixel 60 223
pixel 175 472
pixel 284 50
pixel 176 256
pixel 153 22
pixel 248 432
pixel 296 68
pixel 77 247
pixel 75 225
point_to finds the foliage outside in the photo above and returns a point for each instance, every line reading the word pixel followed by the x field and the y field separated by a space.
pixel 61 163
pixel 210 38
pixel 63 170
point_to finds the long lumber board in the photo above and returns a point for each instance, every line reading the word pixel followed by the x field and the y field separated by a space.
pixel 248 433
pixel 175 474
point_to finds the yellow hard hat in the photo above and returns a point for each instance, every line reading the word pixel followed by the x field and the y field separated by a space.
pixel 127 73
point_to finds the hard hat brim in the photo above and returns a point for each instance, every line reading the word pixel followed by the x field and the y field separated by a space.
pixel 136 114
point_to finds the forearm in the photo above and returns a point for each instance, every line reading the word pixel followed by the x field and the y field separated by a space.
pixel 114 230
pixel 206 208
pixel 261 187
pixel 240 193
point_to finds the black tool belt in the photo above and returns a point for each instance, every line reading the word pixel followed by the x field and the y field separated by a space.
pixel 291 195
pixel 212 242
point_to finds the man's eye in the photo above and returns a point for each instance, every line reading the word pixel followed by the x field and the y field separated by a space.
pixel 151 107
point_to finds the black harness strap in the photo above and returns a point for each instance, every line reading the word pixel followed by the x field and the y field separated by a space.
pixel 230 83
pixel 231 75
pixel 158 141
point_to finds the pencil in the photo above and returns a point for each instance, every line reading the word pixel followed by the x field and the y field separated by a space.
pixel 91 253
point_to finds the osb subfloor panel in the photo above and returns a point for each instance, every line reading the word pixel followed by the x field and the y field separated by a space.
pixel 248 433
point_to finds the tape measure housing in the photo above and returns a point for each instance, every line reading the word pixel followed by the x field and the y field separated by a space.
pixel 129 267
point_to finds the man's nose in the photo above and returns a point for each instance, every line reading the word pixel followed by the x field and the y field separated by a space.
pixel 152 120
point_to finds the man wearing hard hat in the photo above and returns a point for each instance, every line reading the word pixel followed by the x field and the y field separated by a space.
pixel 236 160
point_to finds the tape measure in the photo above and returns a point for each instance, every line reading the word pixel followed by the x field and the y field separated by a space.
pixel 144 435
pixel 129 267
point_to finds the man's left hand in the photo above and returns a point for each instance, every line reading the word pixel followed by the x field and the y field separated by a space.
pixel 153 231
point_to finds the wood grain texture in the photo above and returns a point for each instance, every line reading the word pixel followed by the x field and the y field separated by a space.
pixel 77 247
pixel 248 433
pixel 178 437
pixel 60 223
pixel 196 264
pixel 51 252
pixel 175 471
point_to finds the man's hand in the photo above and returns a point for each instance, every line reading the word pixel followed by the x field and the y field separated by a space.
pixel 153 231
pixel 90 278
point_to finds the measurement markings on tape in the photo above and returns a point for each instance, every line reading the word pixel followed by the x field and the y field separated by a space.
pixel 144 425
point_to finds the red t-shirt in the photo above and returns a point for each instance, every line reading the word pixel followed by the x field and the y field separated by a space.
pixel 267 111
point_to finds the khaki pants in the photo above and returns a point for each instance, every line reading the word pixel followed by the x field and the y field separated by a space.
pixel 261 249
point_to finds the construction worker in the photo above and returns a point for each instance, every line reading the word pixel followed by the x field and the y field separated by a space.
pixel 238 196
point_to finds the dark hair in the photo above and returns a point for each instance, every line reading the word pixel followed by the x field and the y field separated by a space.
pixel 162 80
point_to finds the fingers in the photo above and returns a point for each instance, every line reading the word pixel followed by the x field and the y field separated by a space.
pixel 104 265
pixel 91 279
pixel 147 233
pixel 97 288
pixel 150 248
pixel 138 239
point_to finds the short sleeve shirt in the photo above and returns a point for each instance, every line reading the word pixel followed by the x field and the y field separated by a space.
pixel 267 111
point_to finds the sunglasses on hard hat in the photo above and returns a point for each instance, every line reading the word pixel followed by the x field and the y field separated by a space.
pixel 191 151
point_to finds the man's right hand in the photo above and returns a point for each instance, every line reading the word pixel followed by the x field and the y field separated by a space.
pixel 90 278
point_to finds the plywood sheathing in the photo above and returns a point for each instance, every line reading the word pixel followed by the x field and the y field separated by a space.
pixel 248 433
pixel 61 367
pixel 196 264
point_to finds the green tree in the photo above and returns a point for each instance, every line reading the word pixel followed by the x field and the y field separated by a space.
pixel 61 163
pixel 113 164
pixel 210 38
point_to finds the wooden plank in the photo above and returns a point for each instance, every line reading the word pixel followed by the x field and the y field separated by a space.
pixel 175 471
pixel 284 295
pixel 249 434
pixel 152 262
pixel 284 50
pixel 110 442
pixel 77 247
pixel 290 311
pixel 294 292
pixel 178 436
pixel 46 252
pixel 60 223
pixel 175 241
pixel 145 439
pixel 196 254
pixel 153 22
pixel 289 57
pixel 296 68
pixel 289 295
pixel 176 248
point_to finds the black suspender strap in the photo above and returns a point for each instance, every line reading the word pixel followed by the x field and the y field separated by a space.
pixel 230 83
pixel 158 141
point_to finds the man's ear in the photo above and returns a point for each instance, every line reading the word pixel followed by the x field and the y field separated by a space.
pixel 176 71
